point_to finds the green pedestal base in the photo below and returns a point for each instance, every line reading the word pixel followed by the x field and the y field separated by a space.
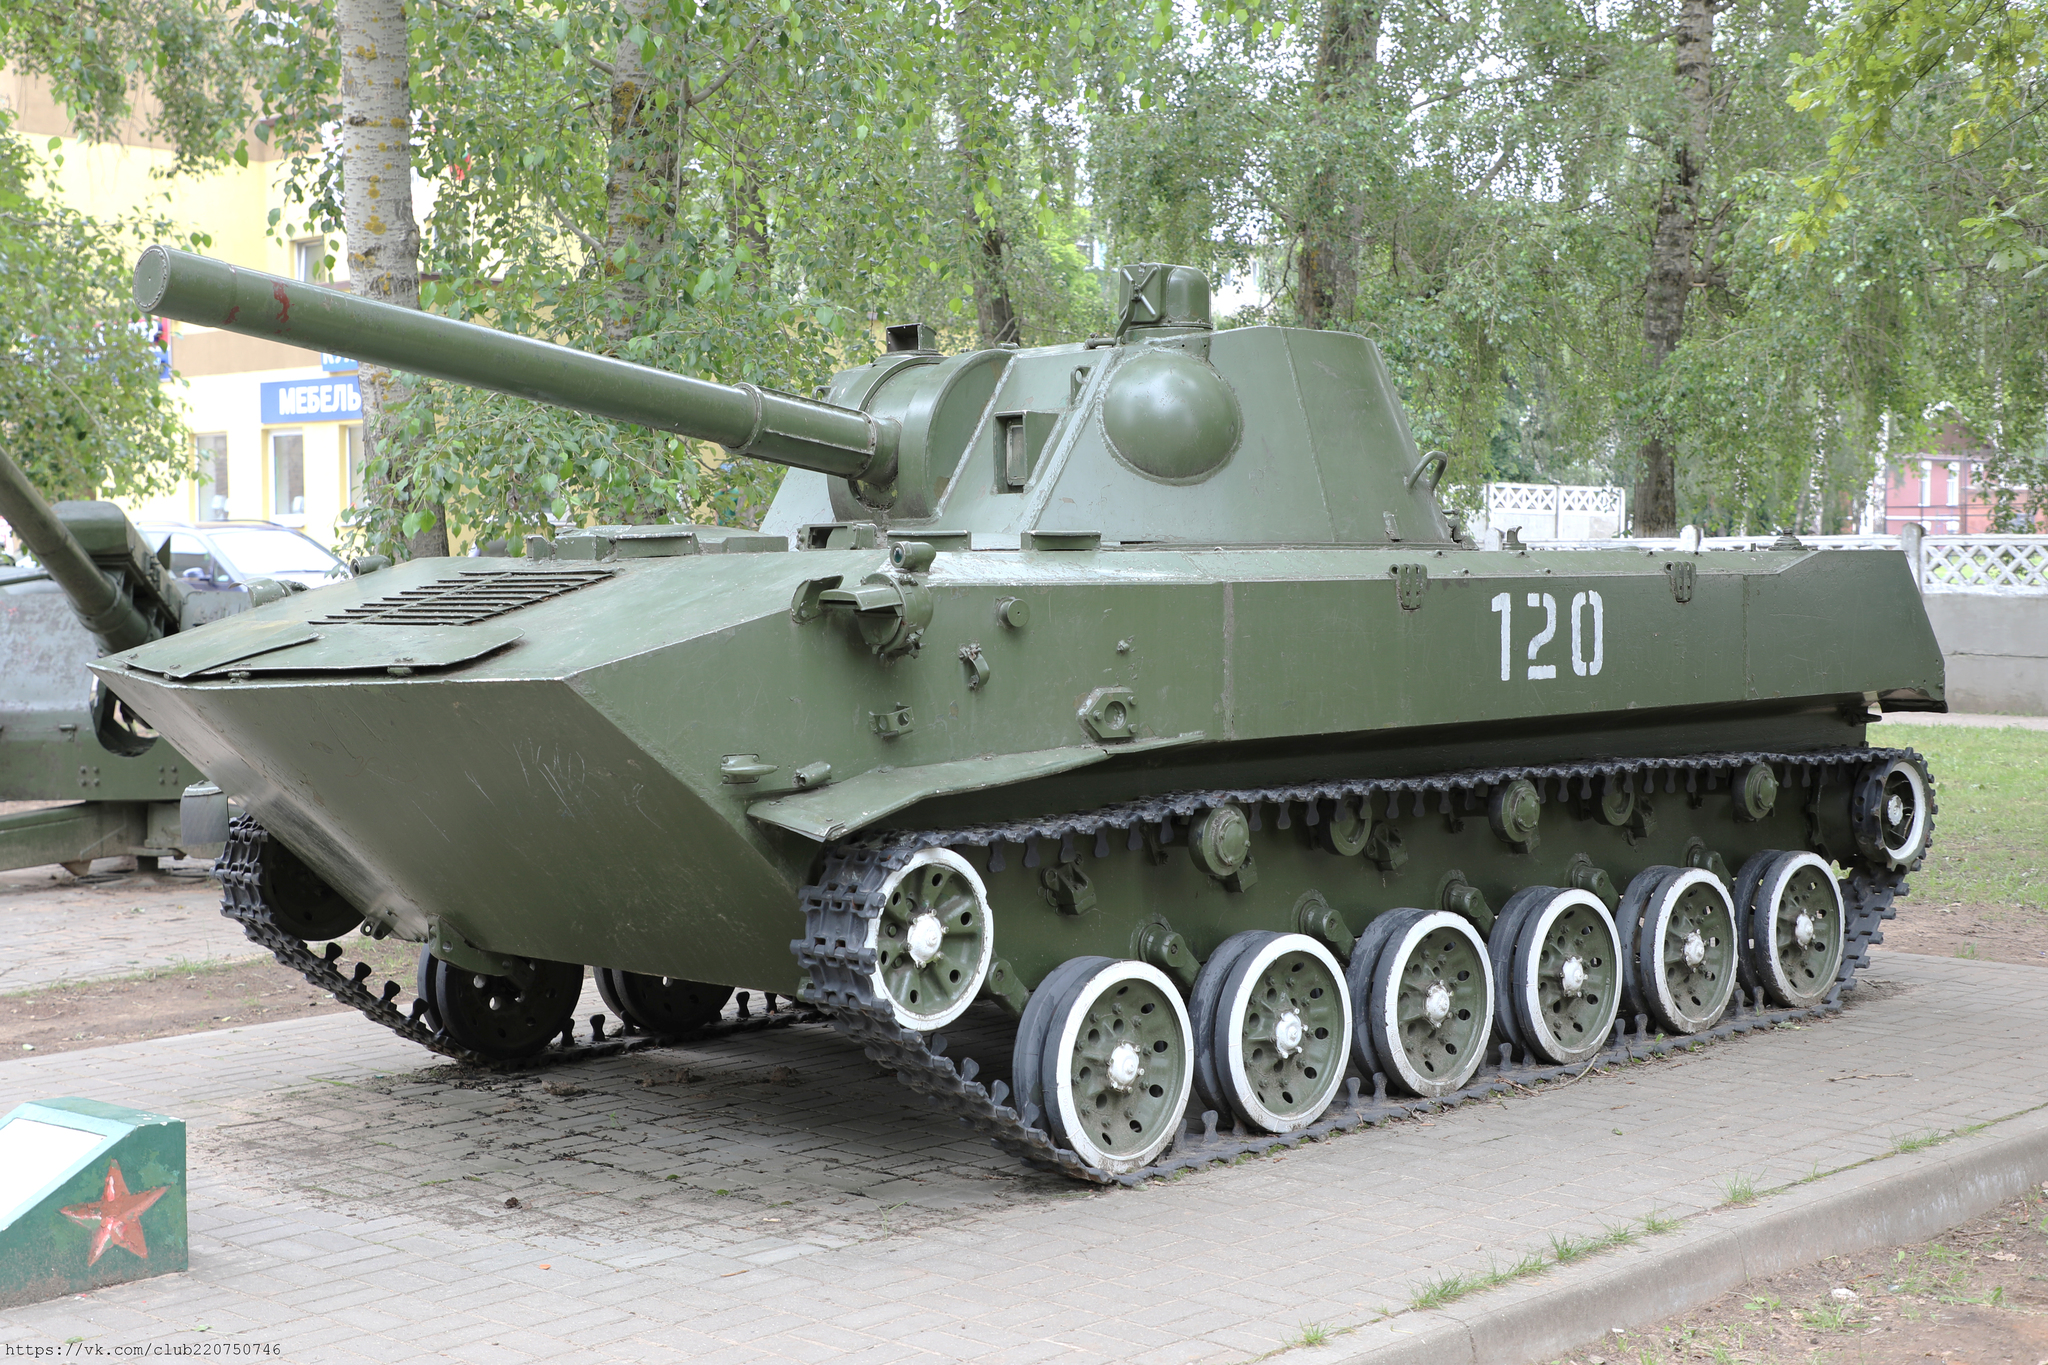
pixel 91 1194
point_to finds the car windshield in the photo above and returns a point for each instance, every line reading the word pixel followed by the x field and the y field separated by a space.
pixel 257 551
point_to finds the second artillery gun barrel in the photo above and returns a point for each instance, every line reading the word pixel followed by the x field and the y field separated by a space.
pixel 102 607
pixel 745 419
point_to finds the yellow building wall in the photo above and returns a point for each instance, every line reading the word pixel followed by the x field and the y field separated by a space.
pixel 221 392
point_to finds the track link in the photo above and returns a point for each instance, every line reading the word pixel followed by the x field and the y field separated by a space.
pixel 240 871
pixel 839 905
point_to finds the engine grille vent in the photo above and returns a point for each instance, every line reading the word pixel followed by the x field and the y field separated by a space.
pixel 477 595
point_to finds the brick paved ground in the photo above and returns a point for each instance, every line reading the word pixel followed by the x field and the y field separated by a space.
pixel 349 1195
pixel 62 929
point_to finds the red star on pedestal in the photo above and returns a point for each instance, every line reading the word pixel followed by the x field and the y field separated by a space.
pixel 118 1213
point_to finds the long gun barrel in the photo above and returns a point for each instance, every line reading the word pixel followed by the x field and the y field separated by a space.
pixel 113 615
pixel 746 420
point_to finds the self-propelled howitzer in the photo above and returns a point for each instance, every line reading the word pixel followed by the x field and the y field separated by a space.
pixel 1136 690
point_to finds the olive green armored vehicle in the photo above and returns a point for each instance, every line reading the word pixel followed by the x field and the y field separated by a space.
pixel 1136 690
pixel 96 587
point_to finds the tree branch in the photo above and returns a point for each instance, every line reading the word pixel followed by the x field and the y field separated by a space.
pixel 692 100
pixel 560 217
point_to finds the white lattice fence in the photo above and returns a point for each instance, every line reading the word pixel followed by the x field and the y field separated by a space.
pixel 1994 564
pixel 2016 565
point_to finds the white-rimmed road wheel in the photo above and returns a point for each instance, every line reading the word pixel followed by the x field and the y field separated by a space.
pixel 934 939
pixel 1118 1063
pixel 1431 1005
pixel 1565 985
pixel 1685 951
pixel 1893 813
pixel 1281 1033
pixel 1795 929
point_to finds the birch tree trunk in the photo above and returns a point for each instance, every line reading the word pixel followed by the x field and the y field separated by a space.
pixel 640 189
pixel 1328 267
pixel 1672 268
pixel 995 316
pixel 376 217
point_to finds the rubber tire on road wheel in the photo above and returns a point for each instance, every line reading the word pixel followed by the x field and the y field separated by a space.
pixel 1029 1048
pixel 1779 984
pixel 1404 946
pixel 1628 916
pixel 1545 1040
pixel 1316 1079
pixel 1500 948
pixel 1667 1008
pixel 1161 1096
pixel 1202 1003
pixel 1365 955
pixel 1743 893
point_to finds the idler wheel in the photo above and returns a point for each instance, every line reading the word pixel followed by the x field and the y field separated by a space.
pixel 1564 982
pixel 1795 923
pixel 495 1015
pixel 661 1005
pixel 1893 814
pixel 1683 954
pixel 1431 1005
pixel 1116 1065
pixel 934 939
pixel 1280 1032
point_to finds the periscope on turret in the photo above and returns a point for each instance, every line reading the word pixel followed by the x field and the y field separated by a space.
pixel 1137 690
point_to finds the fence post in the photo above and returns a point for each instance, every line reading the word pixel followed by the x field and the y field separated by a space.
pixel 1910 537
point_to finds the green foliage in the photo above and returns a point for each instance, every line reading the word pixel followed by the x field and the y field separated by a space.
pixel 740 189
pixel 1981 60
pixel 81 408
pixel 191 57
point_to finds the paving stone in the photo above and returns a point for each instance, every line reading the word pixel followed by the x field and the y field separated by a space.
pixel 899 1238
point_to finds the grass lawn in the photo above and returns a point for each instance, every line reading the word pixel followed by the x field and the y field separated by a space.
pixel 1985 884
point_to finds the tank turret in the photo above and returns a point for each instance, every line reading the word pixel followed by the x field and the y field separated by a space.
pixel 1166 432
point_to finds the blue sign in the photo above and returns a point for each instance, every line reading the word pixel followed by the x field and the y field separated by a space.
pixel 312 400
pixel 336 364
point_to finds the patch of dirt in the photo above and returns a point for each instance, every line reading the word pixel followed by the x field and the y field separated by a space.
pixel 1989 933
pixel 176 1000
pixel 100 1013
pixel 1977 1295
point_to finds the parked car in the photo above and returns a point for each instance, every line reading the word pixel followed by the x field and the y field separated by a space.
pixel 227 554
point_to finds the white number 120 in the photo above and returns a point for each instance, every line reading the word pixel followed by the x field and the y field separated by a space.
pixel 1582 666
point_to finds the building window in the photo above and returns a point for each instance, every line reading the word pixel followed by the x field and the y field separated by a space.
pixel 212 449
pixel 288 476
pixel 352 457
pixel 309 259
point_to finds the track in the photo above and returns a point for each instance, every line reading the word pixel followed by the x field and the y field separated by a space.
pixel 838 906
pixel 240 874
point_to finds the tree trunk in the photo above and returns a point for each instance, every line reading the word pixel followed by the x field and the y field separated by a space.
pixel 640 192
pixel 994 315
pixel 1345 53
pixel 1672 269
pixel 376 215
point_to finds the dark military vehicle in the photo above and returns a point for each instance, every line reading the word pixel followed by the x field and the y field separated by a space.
pixel 106 784
pixel 1139 688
